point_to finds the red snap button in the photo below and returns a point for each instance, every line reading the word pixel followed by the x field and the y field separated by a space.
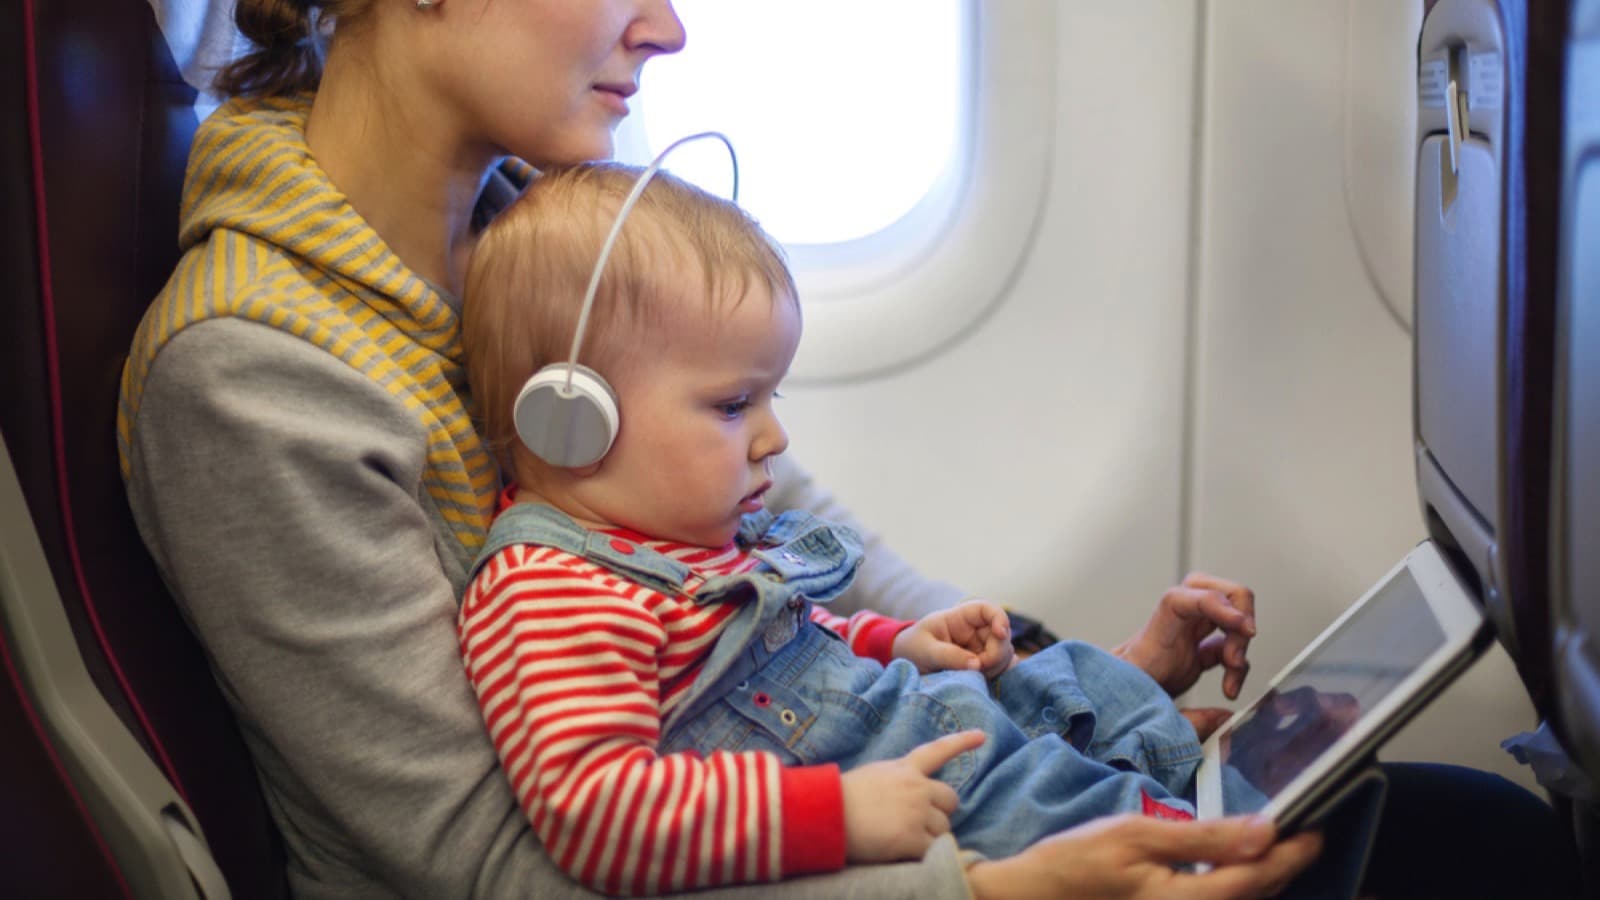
pixel 762 699
pixel 621 546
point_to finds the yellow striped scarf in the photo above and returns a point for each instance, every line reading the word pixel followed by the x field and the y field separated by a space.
pixel 267 237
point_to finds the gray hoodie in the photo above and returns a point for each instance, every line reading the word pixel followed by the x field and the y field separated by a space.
pixel 301 465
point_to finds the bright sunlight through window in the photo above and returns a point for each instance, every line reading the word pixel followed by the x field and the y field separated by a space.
pixel 844 114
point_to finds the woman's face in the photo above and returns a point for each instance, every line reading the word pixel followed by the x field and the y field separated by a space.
pixel 547 80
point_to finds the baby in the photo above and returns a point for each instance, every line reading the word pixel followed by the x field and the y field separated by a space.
pixel 670 700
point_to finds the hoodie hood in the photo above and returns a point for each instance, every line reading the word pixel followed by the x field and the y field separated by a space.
pixel 250 172
pixel 267 237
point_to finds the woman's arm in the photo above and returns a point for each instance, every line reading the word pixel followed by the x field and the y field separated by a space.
pixel 278 491
pixel 885 582
pixel 1142 858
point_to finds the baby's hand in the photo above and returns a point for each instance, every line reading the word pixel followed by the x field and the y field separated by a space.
pixel 895 809
pixel 971 635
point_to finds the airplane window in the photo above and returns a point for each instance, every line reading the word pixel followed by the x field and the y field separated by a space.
pixel 893 147
pixel 844 114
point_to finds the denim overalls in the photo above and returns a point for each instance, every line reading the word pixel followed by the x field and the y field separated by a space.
pixel 1073 732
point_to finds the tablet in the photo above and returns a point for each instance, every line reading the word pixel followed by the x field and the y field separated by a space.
pixel 1331 708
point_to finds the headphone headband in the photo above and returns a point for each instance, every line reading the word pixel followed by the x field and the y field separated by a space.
pixel 566 414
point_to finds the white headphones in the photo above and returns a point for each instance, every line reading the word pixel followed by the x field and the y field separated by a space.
pixel 566 414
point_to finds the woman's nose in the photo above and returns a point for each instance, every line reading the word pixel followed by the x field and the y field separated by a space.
pixel 657 28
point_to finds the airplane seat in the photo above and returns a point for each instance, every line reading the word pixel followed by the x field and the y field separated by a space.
pixel 91 200
pixel 1489 207
pixel 1574 575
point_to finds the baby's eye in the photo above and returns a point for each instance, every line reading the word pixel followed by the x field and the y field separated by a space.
pixel 733 409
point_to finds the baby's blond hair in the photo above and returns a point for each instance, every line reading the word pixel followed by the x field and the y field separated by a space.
pixel 526 281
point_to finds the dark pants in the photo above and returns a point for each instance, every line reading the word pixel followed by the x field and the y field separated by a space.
pixel 1450 831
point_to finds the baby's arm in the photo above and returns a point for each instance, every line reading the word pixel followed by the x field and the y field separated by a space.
pixel 566 676
pixel 973 635
pixel 895 808
pixel 869 634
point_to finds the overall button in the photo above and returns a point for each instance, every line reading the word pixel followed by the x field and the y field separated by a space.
pixel 742 686
pixel 791 556
pixel 788 717
pixel 1048 714
pixel 762 699
pixel 621 546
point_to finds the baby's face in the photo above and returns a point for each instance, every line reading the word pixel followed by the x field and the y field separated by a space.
pixel 698 429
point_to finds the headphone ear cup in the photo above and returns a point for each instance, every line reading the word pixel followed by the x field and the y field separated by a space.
pixel 567 428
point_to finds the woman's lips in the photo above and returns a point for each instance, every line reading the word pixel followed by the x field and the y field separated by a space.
pixel 615 96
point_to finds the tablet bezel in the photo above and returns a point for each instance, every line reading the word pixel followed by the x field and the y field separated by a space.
pixel 1465 632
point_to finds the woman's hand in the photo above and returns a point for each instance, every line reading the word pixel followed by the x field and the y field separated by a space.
pixel 895 808
pixel 1133 856
pixel 1197 625
pixel 971 635
pixel 1206 719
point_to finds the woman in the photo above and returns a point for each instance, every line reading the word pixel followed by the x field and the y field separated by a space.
pixel 301 462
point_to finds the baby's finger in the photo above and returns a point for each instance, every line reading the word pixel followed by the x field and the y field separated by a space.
pixel 937 823
pixel 995 648
pixel 944 797
pixel 931 757
pixel 979 614
pixel 947 657
pixel 999 622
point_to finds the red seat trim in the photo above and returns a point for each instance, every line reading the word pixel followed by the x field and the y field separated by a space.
pixel 49 748
pixel 53 366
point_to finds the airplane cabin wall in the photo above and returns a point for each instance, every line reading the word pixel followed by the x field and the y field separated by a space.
pixel 1302 465
pixel 1039 460
pixel 1193 368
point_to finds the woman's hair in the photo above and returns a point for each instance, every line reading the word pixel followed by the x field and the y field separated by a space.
pixel 287 36
pixel 532 265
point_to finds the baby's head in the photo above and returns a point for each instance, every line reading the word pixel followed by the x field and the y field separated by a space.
pixel 694 324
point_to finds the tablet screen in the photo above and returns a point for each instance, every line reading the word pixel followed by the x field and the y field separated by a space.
pixel 1318 700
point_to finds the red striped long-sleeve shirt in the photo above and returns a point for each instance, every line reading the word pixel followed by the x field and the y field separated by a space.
pixel 575 669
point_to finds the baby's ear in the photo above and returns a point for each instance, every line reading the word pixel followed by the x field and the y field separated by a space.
pixel 532 472
pixel 585 471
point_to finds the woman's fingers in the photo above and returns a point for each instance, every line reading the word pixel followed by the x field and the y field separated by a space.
pixel 1265 877
pixel 1230 607
pixel 1238 596
pixel 1217 649
pixel 1206 720
pixel 1219 841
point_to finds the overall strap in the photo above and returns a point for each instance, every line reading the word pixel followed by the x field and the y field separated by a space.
pixel 545 526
